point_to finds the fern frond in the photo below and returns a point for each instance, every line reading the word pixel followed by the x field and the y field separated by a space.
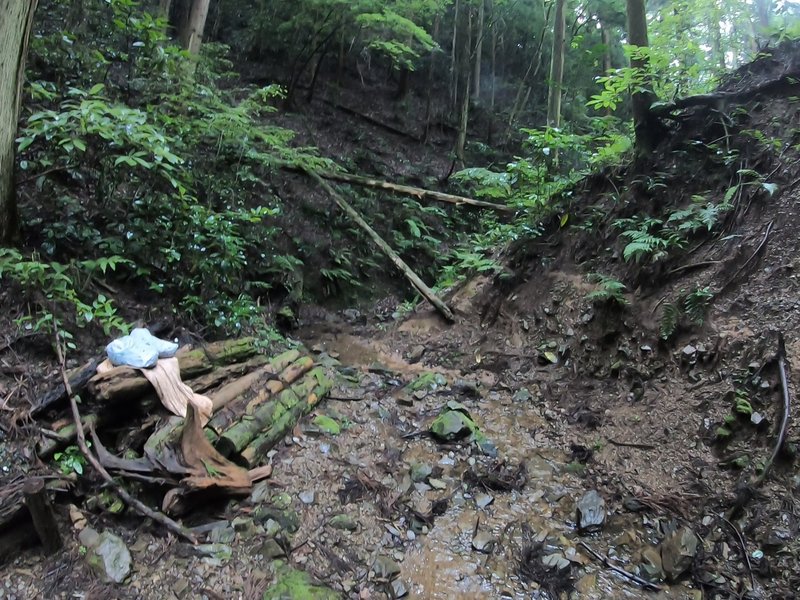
pixel 670 317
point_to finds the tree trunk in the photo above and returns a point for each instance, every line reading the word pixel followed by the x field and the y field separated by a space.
pixel 476 90
pixel 454 74
pixel 556 68
pixel 466 71
pixel 495 24
pixel 763 13
pixel 15 29
pixel 164 7
pixel 606 38
pixel 645 127
pixel 192 38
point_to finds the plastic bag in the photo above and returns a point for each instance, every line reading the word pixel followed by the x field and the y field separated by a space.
pixel 140 349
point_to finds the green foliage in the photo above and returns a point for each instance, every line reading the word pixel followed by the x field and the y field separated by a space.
pixel 71 460
pixel 694 306
pixel 57 290
pixel 608 290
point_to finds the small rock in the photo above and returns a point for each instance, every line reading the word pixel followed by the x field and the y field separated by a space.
pixel 689 354
pixel 110 558
pixel 222 535
pixel 415 353
pixel 437 484
pixel 420 472
pixel 555 561
pixel 307 497
pixel 483 500
pixel 521 395
pixel 399 588
pixel 271 549
pixel 591 512
pixel 452 425
pixel 385 568
pixel 651 564
pixel 89 537
pixel 483 542
pixel 678 551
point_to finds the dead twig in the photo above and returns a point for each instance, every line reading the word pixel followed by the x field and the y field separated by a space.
pixel 631 445
pixel 126 497
pixel 743 547
pixel 747 262
pixel 786 409
pixel 609 565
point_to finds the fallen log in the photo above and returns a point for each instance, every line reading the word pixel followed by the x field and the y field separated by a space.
pixel 412 277
pixel 125 383
pixel 419 193
pixel 77 381
pixel 259 446
pixel 261 415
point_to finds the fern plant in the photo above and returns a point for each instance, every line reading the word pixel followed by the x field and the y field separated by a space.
pixel 608 290
pixel 694 306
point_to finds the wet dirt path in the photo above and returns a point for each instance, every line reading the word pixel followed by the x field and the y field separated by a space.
pixel 449 531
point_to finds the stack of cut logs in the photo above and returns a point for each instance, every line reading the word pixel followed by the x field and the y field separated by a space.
pixel 256 400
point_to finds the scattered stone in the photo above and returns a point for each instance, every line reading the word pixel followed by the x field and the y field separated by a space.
pixel 591 512
pixel 487 448
pixel 220 552
pixel 555 494
pixel 758 419
pixel 385 568
pixel 222 535
pixel 483 500
pixel 437 484
pixel 415 354
pixel 420 472
pixel 89 537
pixel 345 522
pixel 452 425
pixel 483 542
pixel 678 550
pixel 521 395
pixel 555 561
pixel 271 550
pixel 110 557
pixel 307 497
pixel 399 589
pixel 651 564
pixel 689 354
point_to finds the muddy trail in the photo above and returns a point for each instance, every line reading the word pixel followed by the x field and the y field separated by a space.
pixel 564 438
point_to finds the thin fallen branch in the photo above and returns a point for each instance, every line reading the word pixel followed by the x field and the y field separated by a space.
pixel 158 517
pixel 786 409
pixel 743 546
pixel 631 445
pixel 609 565
pixel 412 277
pixel 419 193
pixel 747 262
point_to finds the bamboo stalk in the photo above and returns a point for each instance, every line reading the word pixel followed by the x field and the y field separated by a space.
pixel 412 277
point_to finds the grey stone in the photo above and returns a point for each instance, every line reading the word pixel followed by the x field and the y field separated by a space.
pixel 420 472
pixel 483 542
pixel 111 558
pixel 591 512
pixel 385 568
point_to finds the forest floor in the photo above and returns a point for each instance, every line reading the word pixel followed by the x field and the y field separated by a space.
pixel 572 396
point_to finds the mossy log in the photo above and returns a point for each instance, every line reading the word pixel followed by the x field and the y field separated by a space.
pixel 62 437
pixel 125 383
pixel 229 400
pixel 264 414
pixel 284 422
